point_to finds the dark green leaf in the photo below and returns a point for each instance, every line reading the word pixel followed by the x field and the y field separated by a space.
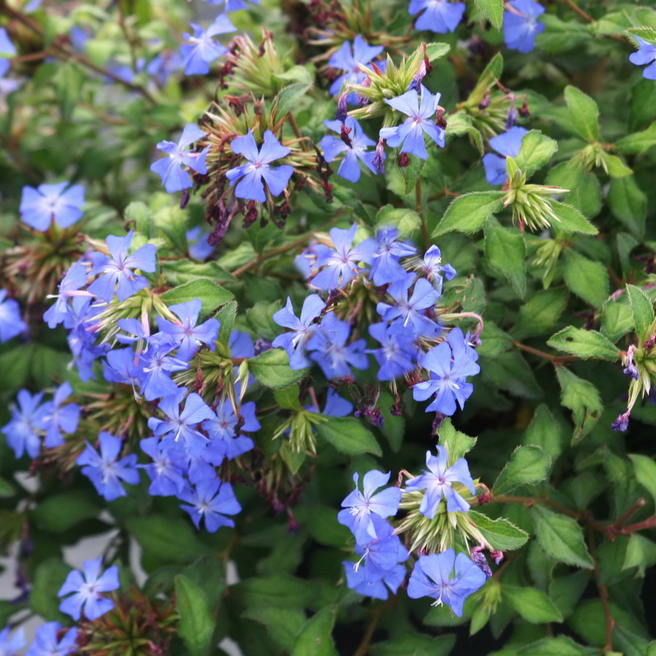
pixel 532 605
pixel 584 113
pixel 584 343
pixel 540 313
pixel 196 624
pixel 500 533
pixel 628 203
pixel 583 399
pixel 272 369
pixel 571 220
pixel 210 294
pixel 315 639
pixel 586 278
pixel 643 312
pixel 506 251
pixel 468 213
pixel 527 465
pixel 60 512
pixel 638 142
pixel 493 10
pixel 348 435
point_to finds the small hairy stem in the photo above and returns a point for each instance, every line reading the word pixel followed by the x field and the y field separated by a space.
pixel 363 647
pixel 556 360
pixel 425 235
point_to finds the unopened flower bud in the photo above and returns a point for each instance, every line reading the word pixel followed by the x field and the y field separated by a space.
pixel 379 157
pixel 404 160
pixel 524 110
pixel 342 108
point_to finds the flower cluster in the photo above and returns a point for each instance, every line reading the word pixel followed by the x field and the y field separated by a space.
pixel 444 576
pixel 408 334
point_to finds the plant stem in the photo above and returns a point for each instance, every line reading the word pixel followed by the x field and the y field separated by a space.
pixel 425 235
pixel 556 360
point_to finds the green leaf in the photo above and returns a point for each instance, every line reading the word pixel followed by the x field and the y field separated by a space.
pixel 468 213
pixel 583 399
pixel 645 471
pixel 226 317
pixel 537 149
pixel 506 251
pixel 60 512
pixel 628 203
pixel 315 638
pixel 643 313
pixel 179 272
pixel 437 50
pixel 276 591
pixel 584 343
pixel 6 489
pixel 532 605
pixel 412 172
pixel 584 113
pixel 544 431
pixel 638 142
pixel 260 319
pixel 571 220
pixel 561 538
pixel 616 166
pixel 494 341
pixel 456 443
pixel 287 398
pixel 283 624
pixel 272 369
pixel 196 624
pixel 493 10
pixel 210 294
pixel 510 371
pixel 586 278
pixel 404 220
pixel 288 98
pixel 48 580
pixel 500 533
pixel 69 81
pixel 170 539
pixel 527 465
pixel 414 644
pixel 617 318
pixel 348 435
pixel 459 124
pixel 540 313
pixel 640 553
pixel 559 646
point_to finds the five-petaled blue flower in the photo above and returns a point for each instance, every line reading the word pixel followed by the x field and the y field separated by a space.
pixel 359 506
pixel 420 112
pixel 378 589
pixel 9 646
pixel 174 177
pixel 397 353
pixel 158 364
pixel 48 643
pixel 447 578
pixel 347 59
pixel 294 343
pixel 232 5
pixel 26 420
pixel 88 590
pixel 521 25
pixel 342 262
pixel 507 144
pixel 186 333
pixel 437 483
pixel 117 269
pixel 166 470
pixel 353 142
pixel 211 500
pixel 441 16
pixel 69 287
pixel 645 55
pixel 449 364
pixel 50 202
pixel 58 418
pixel 201 48
pixel 431 266
pixel 227 440
pixel 105 470
pixel 258 170
pixel 385 267
pixel 11 323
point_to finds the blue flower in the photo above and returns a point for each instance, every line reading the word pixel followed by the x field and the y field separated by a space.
pixel 180 424
pixel 10 646
pixel 118 269
pixel 408 310
pixel 382 555
pixel 26 420
pixel 258 170
pixel 157 365
pixel 441 16
pixel 449 364
pixel 6 46
pixel 521 25
pixel 397 354
pixel 75 278
pixel 105 470
pixel 51 202
pixel 174 177
pixel 121 366
pixel 335 406
pixel 211 500
pixel 507 144
pixel 385 267
pixel 433 269
pixel 232 5
pixel 165 63
pixel 167 469
pixel 88 591
pixel 379 589
pixel 58 417
pixel 330 350
pixel 294 343
pixel 437 483
pixel 354 142
pixel 448 578
pixel 342 262
pixel 47 643
pixel 645 55
pixel 201 49
pixel 11 323
pixel 198 245
pixel 347 59
pixel 186 333
pixel 410 134
pixel 226 431
pixel 359 506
